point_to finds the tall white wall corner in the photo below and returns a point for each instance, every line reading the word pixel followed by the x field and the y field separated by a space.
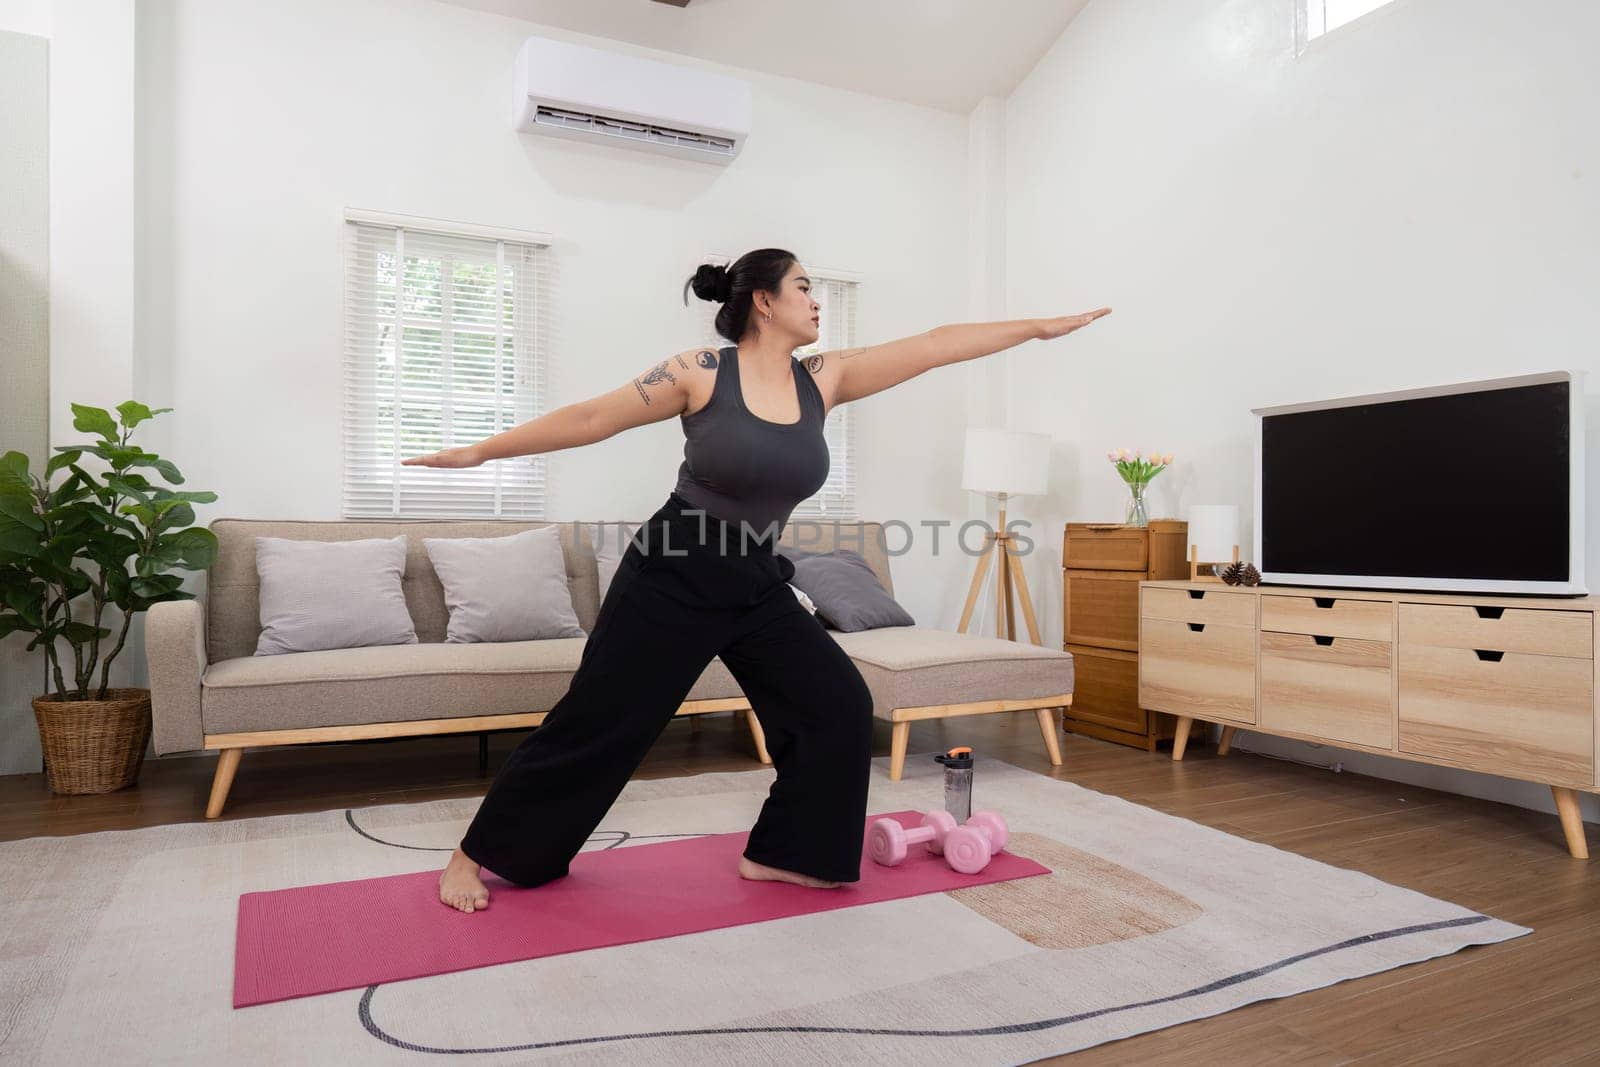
pixel 91 208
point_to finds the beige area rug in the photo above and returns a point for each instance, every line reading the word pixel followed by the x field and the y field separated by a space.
pixel 118 946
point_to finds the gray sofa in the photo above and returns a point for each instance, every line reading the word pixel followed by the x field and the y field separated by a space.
pixel 209 690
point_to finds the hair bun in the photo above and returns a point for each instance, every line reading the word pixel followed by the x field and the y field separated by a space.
pixel 711 282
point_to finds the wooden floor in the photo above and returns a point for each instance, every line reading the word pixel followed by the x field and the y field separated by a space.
pixel 1528 1001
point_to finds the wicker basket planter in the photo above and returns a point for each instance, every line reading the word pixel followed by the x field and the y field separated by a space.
pixel 93 746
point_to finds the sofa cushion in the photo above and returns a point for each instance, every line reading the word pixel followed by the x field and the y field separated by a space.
pixel 846 592
pixel 511 588
pixel 431 680
pixel 331 594
pixel 914 666
pixel 611 540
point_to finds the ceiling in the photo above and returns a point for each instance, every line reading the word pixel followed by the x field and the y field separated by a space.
pixel 946 54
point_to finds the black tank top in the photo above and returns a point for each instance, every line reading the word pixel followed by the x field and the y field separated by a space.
pixel 738 466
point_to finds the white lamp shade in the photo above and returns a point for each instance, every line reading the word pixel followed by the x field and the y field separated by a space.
pixel 1006 461
pixel 1214 531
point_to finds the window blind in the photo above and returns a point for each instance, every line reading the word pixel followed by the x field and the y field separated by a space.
pixel 837 298
pixel 445 338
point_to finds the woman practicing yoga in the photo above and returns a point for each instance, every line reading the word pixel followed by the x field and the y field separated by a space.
pixel 701 579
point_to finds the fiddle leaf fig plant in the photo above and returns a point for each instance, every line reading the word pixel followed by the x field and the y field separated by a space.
pixel 65 552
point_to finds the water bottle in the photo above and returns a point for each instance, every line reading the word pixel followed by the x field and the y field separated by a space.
pixel 957 782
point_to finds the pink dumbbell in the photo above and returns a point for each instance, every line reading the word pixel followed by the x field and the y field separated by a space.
pixel 969 847
pixel 889 840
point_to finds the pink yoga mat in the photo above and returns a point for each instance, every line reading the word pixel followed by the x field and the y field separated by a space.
pixel 346 935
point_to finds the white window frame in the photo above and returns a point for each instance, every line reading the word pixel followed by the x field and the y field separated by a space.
pixel 837 497
pixel 1311 19
pixel 376 484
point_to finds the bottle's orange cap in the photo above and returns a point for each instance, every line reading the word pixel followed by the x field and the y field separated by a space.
pixel 959 750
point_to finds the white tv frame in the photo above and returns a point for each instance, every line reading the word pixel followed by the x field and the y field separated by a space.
pixel 1576 583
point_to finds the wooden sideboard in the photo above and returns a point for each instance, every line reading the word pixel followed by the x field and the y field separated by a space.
pixel 1102 565
pixel 1502 685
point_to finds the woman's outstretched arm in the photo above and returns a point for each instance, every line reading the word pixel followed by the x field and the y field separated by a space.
pixel 854 373
pixel 661 392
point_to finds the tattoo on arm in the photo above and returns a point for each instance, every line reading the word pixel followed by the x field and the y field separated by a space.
pixel 681 363
pixel 706 358
pixel 814 364
pixel 654 376
pixel 847 353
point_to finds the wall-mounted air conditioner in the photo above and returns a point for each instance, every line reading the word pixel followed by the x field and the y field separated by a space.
pixel 588 94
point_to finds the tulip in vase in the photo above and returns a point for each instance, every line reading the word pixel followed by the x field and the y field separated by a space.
pixel 1137 470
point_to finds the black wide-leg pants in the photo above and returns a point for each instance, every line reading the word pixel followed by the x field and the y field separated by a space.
pixel 689 587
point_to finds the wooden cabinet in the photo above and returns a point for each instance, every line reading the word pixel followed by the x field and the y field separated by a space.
pixel 1502 685
pixel 1102 566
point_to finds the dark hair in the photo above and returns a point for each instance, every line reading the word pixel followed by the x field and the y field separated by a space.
pixel 732 286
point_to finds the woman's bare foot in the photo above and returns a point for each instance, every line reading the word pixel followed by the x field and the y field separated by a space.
pixel 459 884
pixel 758 872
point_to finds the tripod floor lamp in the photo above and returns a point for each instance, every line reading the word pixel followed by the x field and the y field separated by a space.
pixel 1007 463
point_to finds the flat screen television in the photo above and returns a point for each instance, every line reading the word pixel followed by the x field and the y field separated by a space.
pixel 1475 487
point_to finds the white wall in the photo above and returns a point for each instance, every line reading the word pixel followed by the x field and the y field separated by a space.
pixel 1411 201
pixel 230 138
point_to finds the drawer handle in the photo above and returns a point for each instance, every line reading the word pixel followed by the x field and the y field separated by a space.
pixel 1489 654
pixel 1486 611
pixel 1197 627
pixel 1196 594
pixel 1323 601
pixel 1322 640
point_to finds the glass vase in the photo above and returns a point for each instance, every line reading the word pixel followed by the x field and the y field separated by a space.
pixel 1137 515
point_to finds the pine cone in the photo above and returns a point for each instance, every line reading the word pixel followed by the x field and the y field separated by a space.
pixel 1250 576
pixel 1232 573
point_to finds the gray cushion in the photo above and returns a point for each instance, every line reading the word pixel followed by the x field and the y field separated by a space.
pixel 504 588
pixel 610 542
pixel 432 680
pixel 845 590
pixel 331 594
pixel 915 666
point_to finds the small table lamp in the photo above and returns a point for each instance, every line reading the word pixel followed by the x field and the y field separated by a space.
pixel 1009 463
pixel 1213 538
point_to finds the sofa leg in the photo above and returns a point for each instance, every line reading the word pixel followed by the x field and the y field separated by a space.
pixel 1047 726
pixel 760 737
pixel 897 750
pixel 1226 742
pixel 227 763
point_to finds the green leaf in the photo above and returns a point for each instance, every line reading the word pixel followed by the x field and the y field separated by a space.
pixel 178 516
pixel 168 470
pixel 11 623
pixel 18 540
pixel 20 509
pixel 128 485
pixel 26 604
pixel 62 459
pixel 94 420
pixel 82 633
pixel 14 472
pixel 133 412
pixel 197 545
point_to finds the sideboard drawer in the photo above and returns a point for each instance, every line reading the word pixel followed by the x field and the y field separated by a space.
pixel 1202 670
pixel 1330 616
pixel 1116 548
pixel 1517 714
pixel 1199 605
pixel 1340 689
pixel 1535 630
